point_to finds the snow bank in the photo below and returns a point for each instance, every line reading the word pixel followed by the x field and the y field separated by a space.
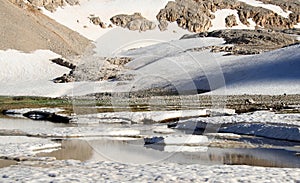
pixel 265 130
pixel 219 21
pixel 272 7
pixel 165 64
pixel 12 147
pixel 30 73
pixel 260 123
pixel 138 117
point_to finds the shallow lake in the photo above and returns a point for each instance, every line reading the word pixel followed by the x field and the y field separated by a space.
pixel 134 151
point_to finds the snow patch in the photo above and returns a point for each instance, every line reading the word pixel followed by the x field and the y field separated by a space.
pixel 274 8
pixel 76 17
pixel 219 21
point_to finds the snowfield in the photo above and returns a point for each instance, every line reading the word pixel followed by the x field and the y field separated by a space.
pixel 30 73
pixel 162 65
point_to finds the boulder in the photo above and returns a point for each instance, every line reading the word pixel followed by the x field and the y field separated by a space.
pixel 97 21
pixel 230 21
pixel 188 14
pixel 133 22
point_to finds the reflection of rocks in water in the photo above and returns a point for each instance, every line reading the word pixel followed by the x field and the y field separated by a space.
pixel 72 149
pixel 244 159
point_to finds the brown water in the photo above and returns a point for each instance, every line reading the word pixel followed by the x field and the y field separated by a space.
pixel 134 151
pixel 6 163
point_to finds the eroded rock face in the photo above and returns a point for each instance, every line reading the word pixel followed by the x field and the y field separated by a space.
pixel 133 22
pixel 187 13
pixel 97 21
pixel 230 21
pixel 263 17
pixel 52 5
pixel 195 15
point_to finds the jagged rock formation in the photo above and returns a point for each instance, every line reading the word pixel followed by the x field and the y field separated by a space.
pixel 263 17
pixel 287 5
pixel 187 13
pixel 195 16
pixel 230 21
pixel 97 21
pixel 247 42
pixel 133 22
pixel 52 5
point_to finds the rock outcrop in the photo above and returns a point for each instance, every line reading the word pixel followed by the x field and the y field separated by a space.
pixel 97 21
pixel 287 5
pixel 230 21
pixel 133 22
pixel 247 42
pixel 52 5
pixel 195 15
pixel 187 13
pixel 98 69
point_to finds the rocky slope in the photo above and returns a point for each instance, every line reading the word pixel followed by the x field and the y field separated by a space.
pixel 23 27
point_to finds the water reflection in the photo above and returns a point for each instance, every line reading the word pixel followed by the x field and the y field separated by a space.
pixel 72 149
pixel 6 163
pixel 134 151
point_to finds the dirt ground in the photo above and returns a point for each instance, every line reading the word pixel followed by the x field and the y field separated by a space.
pixel 26 29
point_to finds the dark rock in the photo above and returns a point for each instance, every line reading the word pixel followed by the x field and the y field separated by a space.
pixel 64 79
pixel 230 21
pixel 97 21
pixel 64 63
pixel 47 116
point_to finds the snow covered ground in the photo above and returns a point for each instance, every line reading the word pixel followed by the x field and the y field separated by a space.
pixel 219 21
pixel 69 15
pixel 164 64
pixel 30 73
pixel 75 171
pixel 272 7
